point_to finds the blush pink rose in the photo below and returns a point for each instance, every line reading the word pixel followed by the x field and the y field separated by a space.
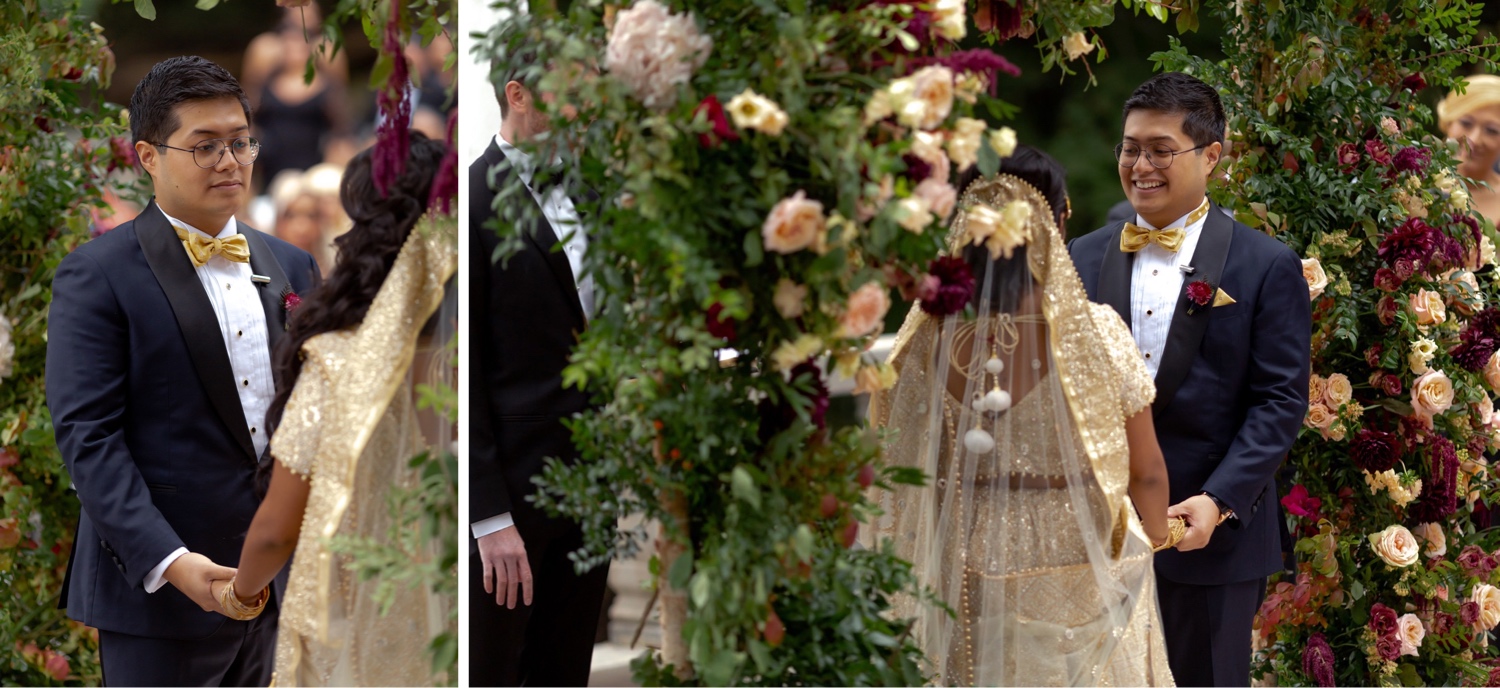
pixel 1428 307
pixel 939 195
pixel 1431 394
pixel 1492 371
pixel 794 224
pixel 866 311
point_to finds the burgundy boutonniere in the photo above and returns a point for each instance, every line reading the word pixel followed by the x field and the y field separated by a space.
pixel 289 300
pixel 1201 293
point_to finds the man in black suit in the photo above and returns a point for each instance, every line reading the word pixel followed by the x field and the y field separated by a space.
pixel 1223 320
pixel 535 622
pixel 158 379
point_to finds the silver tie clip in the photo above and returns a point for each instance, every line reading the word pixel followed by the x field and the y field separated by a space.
pixel 260 279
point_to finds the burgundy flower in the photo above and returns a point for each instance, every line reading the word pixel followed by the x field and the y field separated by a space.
pixel 1474 562
pixel 1414 241
pixel 1378 153
pixel 1375 450
pixel 1348 156
pixel 1200 292
pixel 819 396
pixel 1299 503
pixel 1372 355
pixel 1389 648
pixel 9 457
pixel 1386 280
pixel 1383 620
pixel 393 133
pixel 42 123
pixel 1439 498
pixel 917 169
pixel 955 286
pixel 1442 622
pixel 1405 269
pixel 1385 309
pixel 1468 612
pixel 722 131
pixel 718 326
pixel 1412 159
pixel 122 154
pixel 999 16
pixel 290 300
pixel 976 61
pixel 1492 680
pixel 1317 660
pixel 1391 385
pixel 1289 163
pixel 1470 222
pixel 1414 82
pixel 445 184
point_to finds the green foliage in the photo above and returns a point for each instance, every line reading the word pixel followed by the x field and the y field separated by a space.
pixel 55 157
pixel 1316 93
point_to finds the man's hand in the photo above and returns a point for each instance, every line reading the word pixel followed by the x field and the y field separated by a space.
pixel 506 567
pixel 1202 517
pixel 194 574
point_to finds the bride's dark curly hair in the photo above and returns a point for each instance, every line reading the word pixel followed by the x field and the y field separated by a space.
pixel 365 256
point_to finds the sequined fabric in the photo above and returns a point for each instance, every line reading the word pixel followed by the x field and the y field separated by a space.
pixel 1033 545
pixel 350 427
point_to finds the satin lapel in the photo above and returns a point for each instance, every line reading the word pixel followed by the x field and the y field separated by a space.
pixel 195 318
pixel 1115 275
pixel 1186 334
pixel 263 263
pixel 543 239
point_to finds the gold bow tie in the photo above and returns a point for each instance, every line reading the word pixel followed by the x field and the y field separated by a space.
pixel 1135 238
pixel 200 248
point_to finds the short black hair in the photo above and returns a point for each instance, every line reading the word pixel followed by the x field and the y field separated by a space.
pixel 1178 93
pixel 515 65
pixel 153 106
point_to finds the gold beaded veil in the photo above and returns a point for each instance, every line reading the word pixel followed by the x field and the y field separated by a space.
pixel 1017 416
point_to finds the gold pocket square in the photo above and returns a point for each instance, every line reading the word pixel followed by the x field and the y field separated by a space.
pixel 1222 299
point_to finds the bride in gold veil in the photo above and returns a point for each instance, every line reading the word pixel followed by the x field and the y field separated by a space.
pixel 1032 420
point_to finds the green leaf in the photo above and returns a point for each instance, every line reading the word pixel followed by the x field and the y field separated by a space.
pixel 989 160
pixel 1409 675
pixel 1357 591
pixel 802 542
pixel 743 486
pixel 754 253
pixel 701 590
pixel 145 9
pixel 207 4
pixel 681 571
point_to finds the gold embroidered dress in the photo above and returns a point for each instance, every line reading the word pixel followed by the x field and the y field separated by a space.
pixel 1025 530
pixel 350 427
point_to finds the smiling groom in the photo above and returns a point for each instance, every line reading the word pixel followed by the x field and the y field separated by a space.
pixel 158 379
pixel 1222 318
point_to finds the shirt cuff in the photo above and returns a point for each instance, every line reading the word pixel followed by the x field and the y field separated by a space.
pixel 493 524
pixel 154 579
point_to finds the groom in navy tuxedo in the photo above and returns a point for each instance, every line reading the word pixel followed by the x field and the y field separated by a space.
pixel 1222 318
pixel 158 379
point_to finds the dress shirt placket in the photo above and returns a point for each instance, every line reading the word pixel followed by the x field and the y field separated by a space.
pixel 1156 284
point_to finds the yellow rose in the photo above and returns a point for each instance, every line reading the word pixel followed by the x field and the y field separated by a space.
pixel 1422 351
pixel 874 378
pixel 750 110
pixel 963 143
pixel 948 19
pixel 1431 394
pixel 1077 45
pixel 1488 598
pixel 794 224
pixel 968 87
pixel 879 107
pixel 1339 390
pixel 790 298
pixel 1317 280
pixel 913 214
pixel 865 311
pixel 1396 546
pixel 1013 231
pixel 1003 140
pixel 789 354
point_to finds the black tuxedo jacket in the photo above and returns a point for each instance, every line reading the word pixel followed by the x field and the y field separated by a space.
pixel 148 421
pixel 525 320
pixel 1231 391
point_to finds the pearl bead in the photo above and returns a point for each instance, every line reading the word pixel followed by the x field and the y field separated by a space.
pixel 978 441
pixel 997 400
pixel 994 366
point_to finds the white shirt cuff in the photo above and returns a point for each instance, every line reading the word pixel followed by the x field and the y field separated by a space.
pixel 493 524
pixel 154 579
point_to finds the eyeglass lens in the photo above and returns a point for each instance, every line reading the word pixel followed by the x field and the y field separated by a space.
pixel 244 149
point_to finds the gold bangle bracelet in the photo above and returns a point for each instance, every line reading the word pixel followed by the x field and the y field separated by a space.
pixel 239 610
pixel 1176 530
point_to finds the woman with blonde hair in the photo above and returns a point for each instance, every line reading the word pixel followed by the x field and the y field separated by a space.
pixel 1473 119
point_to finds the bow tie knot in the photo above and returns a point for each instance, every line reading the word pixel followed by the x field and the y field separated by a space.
pixel 200 248
pixel 1135 238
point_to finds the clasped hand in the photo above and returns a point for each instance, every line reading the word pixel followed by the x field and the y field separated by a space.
pixel 1202 516
pixel 200 579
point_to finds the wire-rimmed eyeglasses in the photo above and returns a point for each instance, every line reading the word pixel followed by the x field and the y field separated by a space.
pixel 208 152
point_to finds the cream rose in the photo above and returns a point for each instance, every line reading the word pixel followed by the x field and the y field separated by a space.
pixel 865 311
pixel 751 110
pixel 1339 391
pixel 1436 539
pixel 1318 418
pixel 1077 45
pixel 968 86
pixel 653 51
pixel 879 107
pixel 1422 350
pixel 789 354
pixel 1389 126
pixel 963 143
pixel 790 298
pixel 1000 231
pixel 1395 546
pixel 794 224
pixel 1317 389
pixel 913 214
pixel 1492 371
pixel 1317 280
pixel 1488 598
pixel 1428 307
pixel 869 206
pixel 1409 629
pixel 874 378
pixel 1432 393
pixel 948 19
pixel 940 197
pixel 1003 140
pixel 924 99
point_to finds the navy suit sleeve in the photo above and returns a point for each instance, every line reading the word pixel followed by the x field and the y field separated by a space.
pixel 489 491
pixel 1280 362
pixel 88 365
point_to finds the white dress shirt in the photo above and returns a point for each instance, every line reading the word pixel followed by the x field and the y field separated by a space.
pixel 1156 286
pixel 242 322
pixel 558 209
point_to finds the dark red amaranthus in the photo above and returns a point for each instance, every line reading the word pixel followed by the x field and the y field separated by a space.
pixel 393 135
